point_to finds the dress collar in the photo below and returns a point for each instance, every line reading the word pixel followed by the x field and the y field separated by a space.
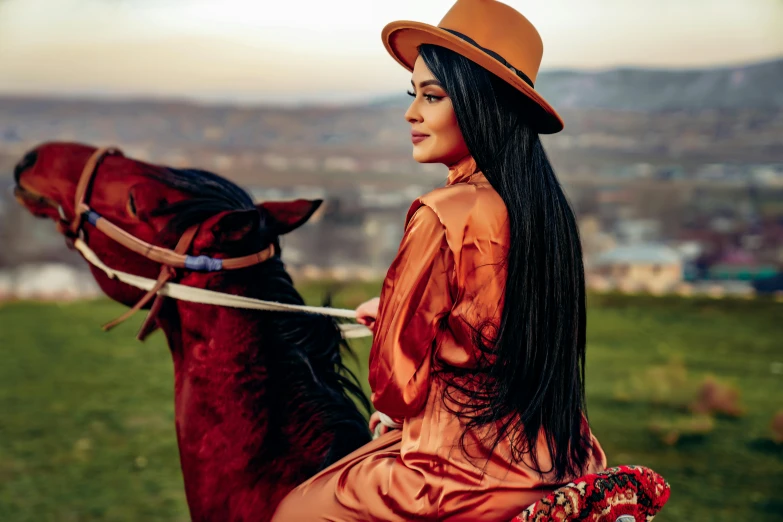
pixel 463 171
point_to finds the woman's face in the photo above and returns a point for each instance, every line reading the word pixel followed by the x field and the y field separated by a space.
pixel 435 134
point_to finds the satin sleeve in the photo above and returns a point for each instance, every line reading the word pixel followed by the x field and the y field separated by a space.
pixel 414 299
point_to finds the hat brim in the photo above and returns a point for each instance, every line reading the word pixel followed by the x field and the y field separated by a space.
pixel 403 38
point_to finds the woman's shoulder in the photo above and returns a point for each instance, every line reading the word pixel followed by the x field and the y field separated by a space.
pixel 455 204
pixel 464 210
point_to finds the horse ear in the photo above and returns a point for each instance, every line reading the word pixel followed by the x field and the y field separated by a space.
pixel 289 215
pixel 235 225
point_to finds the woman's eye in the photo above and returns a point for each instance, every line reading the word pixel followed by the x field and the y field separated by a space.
pixel 431 98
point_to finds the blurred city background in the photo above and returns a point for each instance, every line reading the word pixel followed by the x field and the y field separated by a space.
pixel 672 158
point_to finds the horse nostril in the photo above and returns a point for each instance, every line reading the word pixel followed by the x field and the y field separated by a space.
pixel 27 162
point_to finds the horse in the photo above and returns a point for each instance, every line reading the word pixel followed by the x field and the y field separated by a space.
pixel 262 399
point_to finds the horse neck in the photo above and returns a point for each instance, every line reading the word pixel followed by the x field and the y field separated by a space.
pixel 256 400
pixel 229 360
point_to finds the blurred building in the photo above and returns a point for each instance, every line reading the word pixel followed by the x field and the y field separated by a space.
pixel 648 267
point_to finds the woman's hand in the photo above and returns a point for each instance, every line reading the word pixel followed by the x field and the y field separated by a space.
pixel 375 421
pixel 379 427
pixel 367 312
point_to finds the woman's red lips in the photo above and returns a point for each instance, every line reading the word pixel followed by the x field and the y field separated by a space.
pixel 417 137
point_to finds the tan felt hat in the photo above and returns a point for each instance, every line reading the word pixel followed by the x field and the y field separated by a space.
pixel 489 33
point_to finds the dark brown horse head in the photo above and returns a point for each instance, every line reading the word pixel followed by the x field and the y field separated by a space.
pixel 155 204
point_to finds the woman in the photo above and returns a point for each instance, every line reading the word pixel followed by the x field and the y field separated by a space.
pixel 479 339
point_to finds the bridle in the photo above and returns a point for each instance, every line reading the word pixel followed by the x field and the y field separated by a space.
pixel 170 260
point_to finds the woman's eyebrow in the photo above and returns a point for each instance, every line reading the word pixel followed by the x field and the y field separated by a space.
pixel 426 83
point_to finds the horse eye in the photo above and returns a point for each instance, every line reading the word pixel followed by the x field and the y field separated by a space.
pixel 132 205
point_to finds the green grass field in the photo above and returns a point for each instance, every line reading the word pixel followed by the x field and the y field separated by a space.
pixel 87 432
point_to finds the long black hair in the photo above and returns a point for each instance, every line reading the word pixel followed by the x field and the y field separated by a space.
pixel 531 378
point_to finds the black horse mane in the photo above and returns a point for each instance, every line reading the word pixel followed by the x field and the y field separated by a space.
pixel 210 195
pixel 305 351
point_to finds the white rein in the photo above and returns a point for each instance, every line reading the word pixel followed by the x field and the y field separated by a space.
pixel 203 296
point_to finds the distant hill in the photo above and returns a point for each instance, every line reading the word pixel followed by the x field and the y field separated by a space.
pixel 753 86
pixel 635 114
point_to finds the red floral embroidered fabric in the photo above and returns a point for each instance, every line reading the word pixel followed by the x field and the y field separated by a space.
pixel 621 494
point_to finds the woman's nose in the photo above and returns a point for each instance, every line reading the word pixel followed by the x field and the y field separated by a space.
pixel 412 115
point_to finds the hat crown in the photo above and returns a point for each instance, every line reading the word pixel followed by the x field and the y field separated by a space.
pixel 490 34
pixel 499 28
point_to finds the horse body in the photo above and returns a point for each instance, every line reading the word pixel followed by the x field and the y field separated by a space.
pixel 262 400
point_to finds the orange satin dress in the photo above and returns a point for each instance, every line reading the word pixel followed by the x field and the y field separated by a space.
pixel 448 274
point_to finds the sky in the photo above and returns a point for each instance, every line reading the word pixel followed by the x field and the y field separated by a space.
pixel 291 51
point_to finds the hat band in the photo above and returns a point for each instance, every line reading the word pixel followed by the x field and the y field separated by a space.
pixel 493 54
